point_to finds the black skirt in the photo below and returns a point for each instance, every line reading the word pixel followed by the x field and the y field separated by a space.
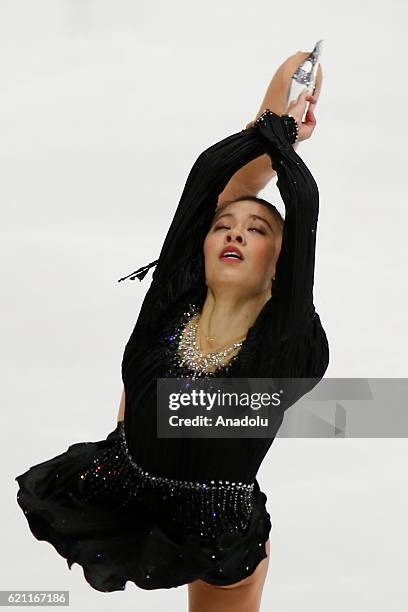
pixel 80 503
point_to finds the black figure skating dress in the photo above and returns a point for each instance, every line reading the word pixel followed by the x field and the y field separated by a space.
pixel 162 512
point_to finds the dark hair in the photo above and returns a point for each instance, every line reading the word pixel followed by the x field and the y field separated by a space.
pixel 275 212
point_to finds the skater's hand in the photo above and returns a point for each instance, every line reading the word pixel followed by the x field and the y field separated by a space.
pixel 297 107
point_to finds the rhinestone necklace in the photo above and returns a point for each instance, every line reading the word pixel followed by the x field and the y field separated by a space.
pixel 193 357
pixel 209 338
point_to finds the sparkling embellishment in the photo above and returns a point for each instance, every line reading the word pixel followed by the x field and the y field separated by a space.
pixel 209 508
pixel 184 356
pixel 288 122
pixel 292 128
pixel 263 116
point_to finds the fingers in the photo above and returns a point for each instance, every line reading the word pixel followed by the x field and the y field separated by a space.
pixel 310 118
pixel 301 100
pixel 305 94
pixel 306 97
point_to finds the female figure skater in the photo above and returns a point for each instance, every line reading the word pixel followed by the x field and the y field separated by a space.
pixel 231 296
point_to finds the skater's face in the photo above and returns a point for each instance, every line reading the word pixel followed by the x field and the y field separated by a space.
pixel 254 231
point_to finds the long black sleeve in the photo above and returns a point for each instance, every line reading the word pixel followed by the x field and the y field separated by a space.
pixel 207 179
pixel 293 287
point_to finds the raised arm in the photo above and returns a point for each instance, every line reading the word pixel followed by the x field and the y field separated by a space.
pixel 254 176
pixel 181 252
pixel 181 257
pixel 293 286
pixel 294 276
pixel 207 178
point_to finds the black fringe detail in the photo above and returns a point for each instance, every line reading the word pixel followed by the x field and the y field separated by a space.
pixel 141 272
